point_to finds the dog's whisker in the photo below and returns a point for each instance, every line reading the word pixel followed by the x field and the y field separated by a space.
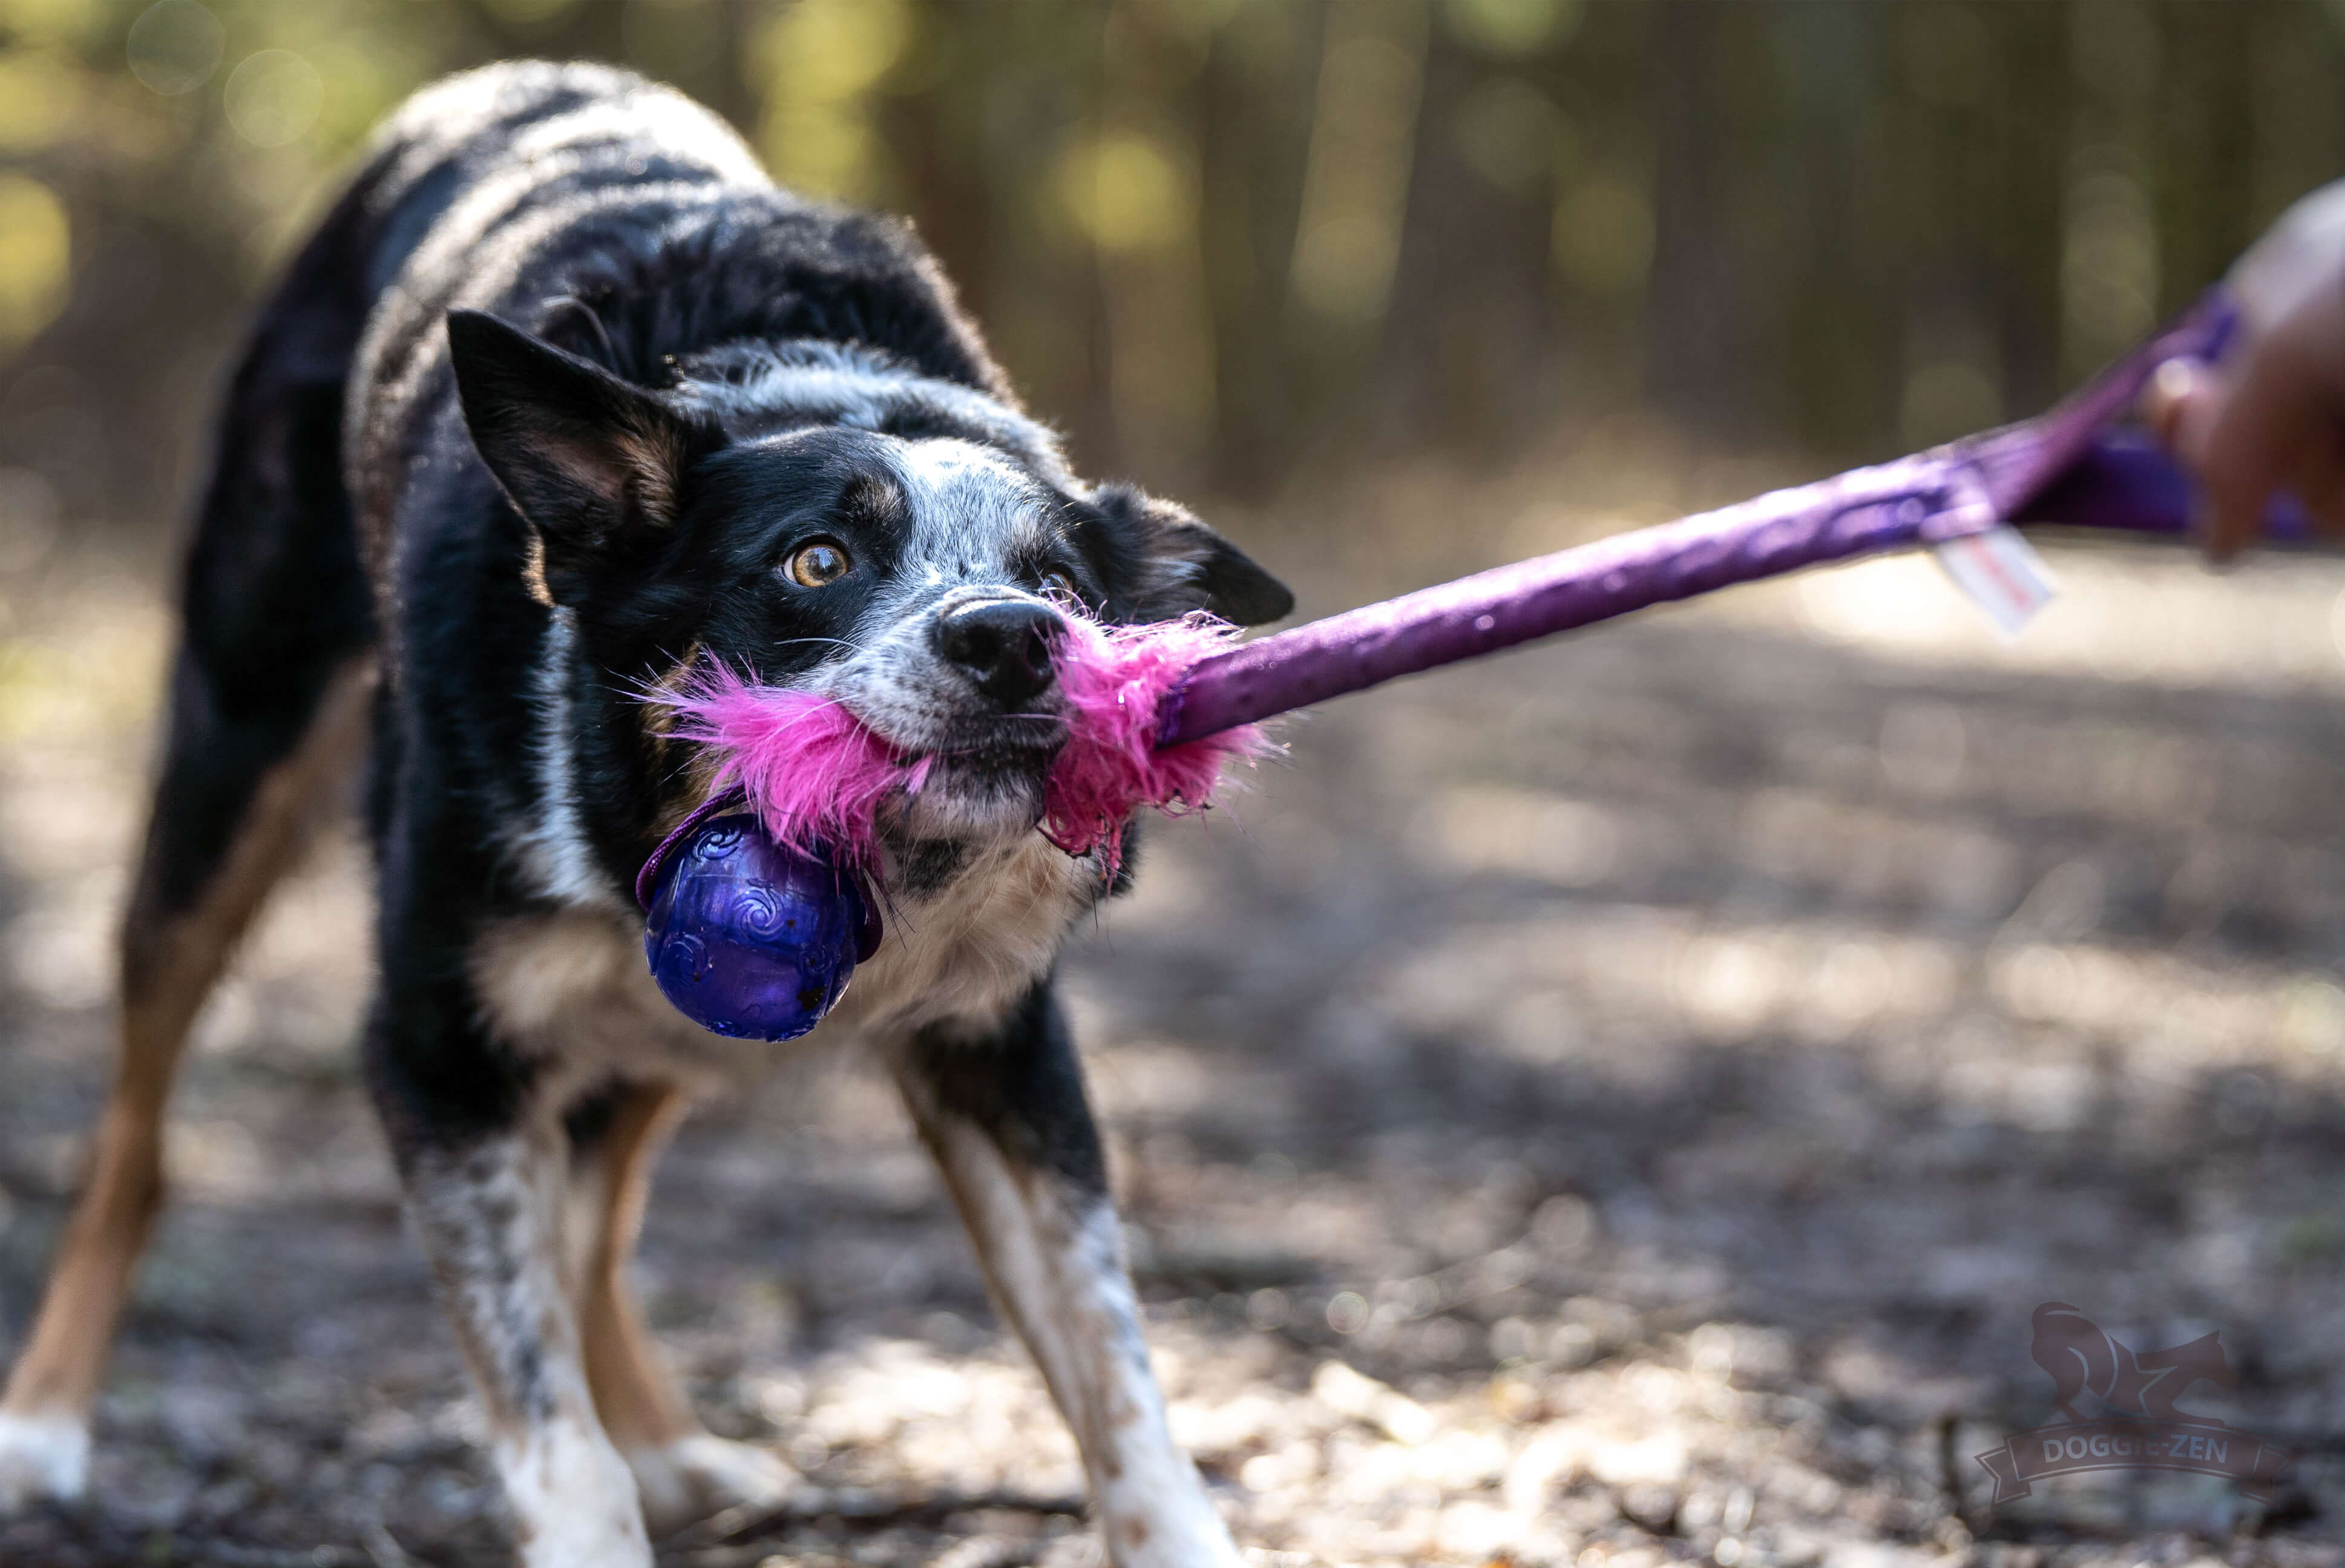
pixel 847 643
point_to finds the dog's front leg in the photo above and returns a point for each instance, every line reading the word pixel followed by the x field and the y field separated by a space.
pixel 486 1209
pixel 1004 1113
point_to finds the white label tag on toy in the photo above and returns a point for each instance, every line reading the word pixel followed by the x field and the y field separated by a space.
pixel 2000 572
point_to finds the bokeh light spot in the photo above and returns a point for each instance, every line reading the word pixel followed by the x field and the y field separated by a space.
pixel 1126 192
pixel 41 23
pixel 819 63
pixel 1512 27
pixel 38 95
pixel 274 96
pixel 528 13
pixel 1604 235
pixel 2109 259
pixel 1507 132
pixel 175 46
pixel 1356 178
pixel 35 257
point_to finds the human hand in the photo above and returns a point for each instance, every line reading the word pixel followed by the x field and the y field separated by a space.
pixel 2273 414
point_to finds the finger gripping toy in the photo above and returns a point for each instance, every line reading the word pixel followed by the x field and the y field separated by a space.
pixel 1152 713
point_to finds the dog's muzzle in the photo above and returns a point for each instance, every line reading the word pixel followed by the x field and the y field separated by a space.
pixel 1002 645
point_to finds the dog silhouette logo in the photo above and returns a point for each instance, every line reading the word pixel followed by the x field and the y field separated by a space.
pixel 2082 1360
pixel 2142 1426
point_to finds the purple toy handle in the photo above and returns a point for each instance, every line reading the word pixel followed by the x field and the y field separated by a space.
pixel 2064 465
pixel 2125 479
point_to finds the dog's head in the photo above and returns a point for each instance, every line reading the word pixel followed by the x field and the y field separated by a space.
pixel 817 516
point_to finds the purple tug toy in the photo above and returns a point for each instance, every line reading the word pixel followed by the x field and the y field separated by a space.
pixel 755 940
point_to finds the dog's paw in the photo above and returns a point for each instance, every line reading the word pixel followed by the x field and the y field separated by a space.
pixel 573 1501
pixel 583 1540
pixel 41 1458
pixel 1181 1529
pixel 686 1481
pixel 1195 1552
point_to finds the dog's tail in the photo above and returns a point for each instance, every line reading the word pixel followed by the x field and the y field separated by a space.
pixel 274 603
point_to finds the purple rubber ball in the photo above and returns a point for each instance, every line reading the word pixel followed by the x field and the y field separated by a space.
pixel 750 939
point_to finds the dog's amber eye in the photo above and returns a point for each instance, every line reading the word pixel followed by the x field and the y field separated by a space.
pixel 1058 585
pixel 819 565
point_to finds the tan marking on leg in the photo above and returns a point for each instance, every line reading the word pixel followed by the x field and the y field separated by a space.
pixel 634 1393
pixel 167 969
pixel 683 1472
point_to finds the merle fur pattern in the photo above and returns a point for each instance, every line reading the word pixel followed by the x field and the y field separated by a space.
pixel 537 421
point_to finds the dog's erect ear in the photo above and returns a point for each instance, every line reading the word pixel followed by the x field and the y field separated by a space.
pixel 593 462
pixel 1177 564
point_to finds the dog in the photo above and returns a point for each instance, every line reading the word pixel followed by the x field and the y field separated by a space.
pixel 563 400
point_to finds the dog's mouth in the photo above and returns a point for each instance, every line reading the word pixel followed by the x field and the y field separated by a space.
pixel 1023 743
pixel 985 775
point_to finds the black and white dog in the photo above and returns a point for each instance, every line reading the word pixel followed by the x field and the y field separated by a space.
pixel 563 397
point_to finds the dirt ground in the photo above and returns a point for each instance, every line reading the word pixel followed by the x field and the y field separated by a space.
pixel 1615 1105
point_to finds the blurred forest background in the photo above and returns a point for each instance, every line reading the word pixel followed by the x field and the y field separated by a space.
pixel 1673 1060
pixel 1226 242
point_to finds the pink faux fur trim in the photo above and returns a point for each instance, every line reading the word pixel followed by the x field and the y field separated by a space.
pixel 1114 679
pixel 816 777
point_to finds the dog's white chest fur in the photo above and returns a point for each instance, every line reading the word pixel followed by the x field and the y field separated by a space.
pixel 570 987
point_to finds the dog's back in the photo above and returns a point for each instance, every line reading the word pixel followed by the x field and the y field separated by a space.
pixel 619 220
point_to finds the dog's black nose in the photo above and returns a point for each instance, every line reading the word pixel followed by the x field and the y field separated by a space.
pixel 1003 644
